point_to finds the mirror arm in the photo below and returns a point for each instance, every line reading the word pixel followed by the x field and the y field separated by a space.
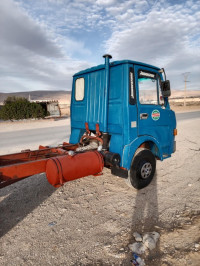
pixel 164 74
pixel 162 70
pixel 166 102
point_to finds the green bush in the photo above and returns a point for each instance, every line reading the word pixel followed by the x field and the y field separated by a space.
pixel 16 108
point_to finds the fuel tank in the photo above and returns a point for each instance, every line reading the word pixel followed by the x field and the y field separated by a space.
pixel 67 168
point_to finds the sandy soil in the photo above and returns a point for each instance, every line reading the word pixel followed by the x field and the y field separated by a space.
pixel 187 108
pixel 91 221
pixel 7 126
pixel 181 109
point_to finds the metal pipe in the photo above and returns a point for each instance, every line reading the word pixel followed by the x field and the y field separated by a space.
pixel 106 92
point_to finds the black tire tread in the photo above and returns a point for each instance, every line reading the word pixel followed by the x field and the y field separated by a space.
pixel 134 180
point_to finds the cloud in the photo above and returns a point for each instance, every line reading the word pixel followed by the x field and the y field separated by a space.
pixel 20 30
pixel 44 42
pixel 166 36
pixel 33 58
pixel 105 2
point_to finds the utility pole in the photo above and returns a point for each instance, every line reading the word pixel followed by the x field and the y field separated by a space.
pixel 185 75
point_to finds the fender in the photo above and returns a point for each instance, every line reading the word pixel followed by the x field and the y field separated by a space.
pixel 130 149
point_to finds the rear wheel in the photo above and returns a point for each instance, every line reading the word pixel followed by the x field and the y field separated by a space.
pixel 143 168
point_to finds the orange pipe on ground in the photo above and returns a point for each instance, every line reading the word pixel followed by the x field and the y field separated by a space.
pixel 67 168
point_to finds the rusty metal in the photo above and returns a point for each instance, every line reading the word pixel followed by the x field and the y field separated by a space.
pixel 87 135
pixel 67 168
pixel 98 133
pixel 15 167
pixel 87 129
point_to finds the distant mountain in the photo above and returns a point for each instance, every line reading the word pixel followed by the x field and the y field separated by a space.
pixel 64 97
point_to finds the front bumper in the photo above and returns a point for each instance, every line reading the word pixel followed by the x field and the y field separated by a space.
pixel 174 148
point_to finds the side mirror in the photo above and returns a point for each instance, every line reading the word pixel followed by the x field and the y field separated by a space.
pixel 165 88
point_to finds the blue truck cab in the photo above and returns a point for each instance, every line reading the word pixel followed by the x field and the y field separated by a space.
pixel 126 103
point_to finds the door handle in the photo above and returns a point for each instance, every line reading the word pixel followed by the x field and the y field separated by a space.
pixel 144 116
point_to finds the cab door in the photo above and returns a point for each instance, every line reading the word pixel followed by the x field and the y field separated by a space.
pixel 153 117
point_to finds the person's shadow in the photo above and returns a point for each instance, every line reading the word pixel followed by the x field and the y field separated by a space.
pixel 20 199
pixel 146 219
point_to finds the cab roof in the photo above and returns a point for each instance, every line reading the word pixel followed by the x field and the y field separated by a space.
pixel 114 63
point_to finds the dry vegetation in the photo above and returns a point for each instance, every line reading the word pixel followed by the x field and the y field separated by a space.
pixel 63 97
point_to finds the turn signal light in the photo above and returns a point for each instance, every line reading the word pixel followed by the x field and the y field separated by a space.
pixel 175 132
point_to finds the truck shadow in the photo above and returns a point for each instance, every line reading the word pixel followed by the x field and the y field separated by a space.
pixel 20 199
pixel 145 219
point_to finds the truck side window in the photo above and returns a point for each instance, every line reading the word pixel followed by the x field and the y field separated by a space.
pixel 147 84
pixel 79 89
pixel 161 99
pixel 131 86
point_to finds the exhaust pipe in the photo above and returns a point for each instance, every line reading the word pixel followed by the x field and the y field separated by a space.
pixel 106 95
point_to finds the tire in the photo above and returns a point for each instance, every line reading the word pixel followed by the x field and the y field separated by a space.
pixel 143 168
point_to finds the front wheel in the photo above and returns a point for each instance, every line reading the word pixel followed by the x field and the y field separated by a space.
pixel 143 168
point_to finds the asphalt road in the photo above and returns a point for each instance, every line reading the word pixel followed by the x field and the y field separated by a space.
pixel 14 141
pixel 38 136
pixel 34 135
pixel 187 115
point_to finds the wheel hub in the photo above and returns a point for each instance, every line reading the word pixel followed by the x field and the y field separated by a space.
pixel 146 170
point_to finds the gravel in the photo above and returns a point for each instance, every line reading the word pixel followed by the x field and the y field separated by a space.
pixel 91 221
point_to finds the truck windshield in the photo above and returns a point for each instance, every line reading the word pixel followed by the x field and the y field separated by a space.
pixel 149 87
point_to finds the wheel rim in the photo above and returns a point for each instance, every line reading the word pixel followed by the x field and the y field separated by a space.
pixel 146 170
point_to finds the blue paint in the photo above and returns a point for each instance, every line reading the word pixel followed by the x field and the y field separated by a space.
pixel 107 101
pixel 106 93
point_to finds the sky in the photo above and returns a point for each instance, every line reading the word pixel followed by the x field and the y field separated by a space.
pixel 44 42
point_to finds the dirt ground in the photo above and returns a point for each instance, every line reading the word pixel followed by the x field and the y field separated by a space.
pixel 187 108
pixel 91 221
